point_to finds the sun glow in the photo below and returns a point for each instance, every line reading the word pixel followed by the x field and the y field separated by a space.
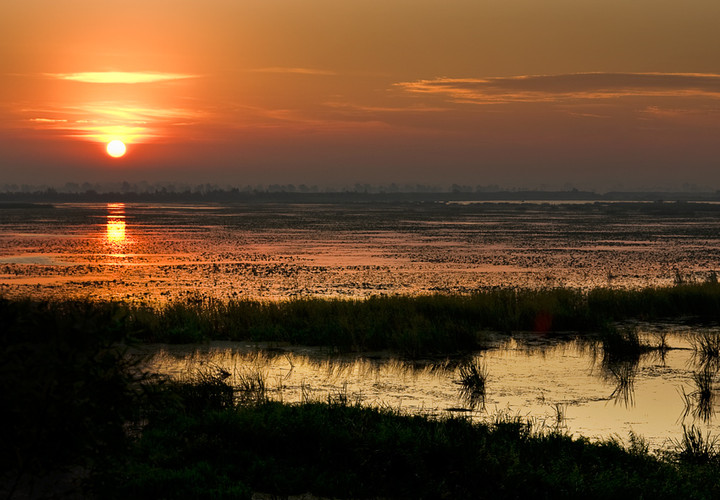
pixel 116 148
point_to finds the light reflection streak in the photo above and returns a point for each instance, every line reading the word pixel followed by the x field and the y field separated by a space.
pixel 115 230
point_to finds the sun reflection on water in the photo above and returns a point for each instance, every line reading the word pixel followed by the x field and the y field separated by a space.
pixel 116 223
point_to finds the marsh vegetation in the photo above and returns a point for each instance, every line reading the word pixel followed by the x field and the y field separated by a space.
pixel 78 402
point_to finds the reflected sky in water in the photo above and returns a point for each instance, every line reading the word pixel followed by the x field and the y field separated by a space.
pixel 554 383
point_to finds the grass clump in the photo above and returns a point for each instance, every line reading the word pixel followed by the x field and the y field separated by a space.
pixel 622 345
pixel 624 376
pixel 701 402
pixel 472 378
pixel 251 386
pixel 696 448
pixel 706 346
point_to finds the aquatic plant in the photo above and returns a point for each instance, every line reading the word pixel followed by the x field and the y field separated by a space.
pixel 624 376
pixel 622 344
pixel 472 378
pixel 205 389
pixel 662 344
pixel 339 397
pixel 700 402
pixel 696 448
pixel 637 445
pixel 706 347
pixel 251 386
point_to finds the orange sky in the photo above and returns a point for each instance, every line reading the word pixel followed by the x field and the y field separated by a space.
pixel 597 94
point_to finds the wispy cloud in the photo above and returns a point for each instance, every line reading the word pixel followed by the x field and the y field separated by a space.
pixel 48 120
pixel 127 77
pixel 103 121
pixel 359 108
pixel 296 71
pixel 567 87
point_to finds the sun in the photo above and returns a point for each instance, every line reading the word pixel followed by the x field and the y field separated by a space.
pixel 116 148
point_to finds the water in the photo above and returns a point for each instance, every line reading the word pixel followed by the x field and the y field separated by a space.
pixel 554 382
pixel 155 252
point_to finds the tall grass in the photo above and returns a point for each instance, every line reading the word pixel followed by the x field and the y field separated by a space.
pixel 72 400
pixel 413 326
pixel 622 344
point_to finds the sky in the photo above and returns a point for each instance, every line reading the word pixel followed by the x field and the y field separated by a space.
pixel 594 94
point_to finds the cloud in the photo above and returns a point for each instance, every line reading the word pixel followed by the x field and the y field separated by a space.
pixel 567 87
pixel 127 77
pixel 103 121
pixel 296 71
pixel 48 120
pixel 352 107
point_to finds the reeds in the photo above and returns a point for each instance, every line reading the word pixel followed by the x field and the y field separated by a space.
pixel 412 326
pixel 706 347
pixel 696 448
pixel 622 344
pixel 624 376
pixel 559 416
pixel 472 378
pixel 250 386
pixel 701 402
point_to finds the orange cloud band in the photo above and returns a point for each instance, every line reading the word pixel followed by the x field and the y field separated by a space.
pixel 127 77
pixel 553 88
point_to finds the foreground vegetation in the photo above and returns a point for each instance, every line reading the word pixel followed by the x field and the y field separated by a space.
pixel 434 324
pixel 332 449
pixel 78 408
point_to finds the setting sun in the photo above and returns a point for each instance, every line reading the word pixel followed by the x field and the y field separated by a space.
pixel 116 148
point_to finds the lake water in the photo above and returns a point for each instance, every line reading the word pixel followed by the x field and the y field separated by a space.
pixel 553 382
pixel 155 253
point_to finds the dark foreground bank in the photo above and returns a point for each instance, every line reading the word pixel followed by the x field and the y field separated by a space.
pixel 80 416
pixel 336 450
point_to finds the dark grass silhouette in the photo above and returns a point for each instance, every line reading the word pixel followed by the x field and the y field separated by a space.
pixel 342 450
pixel 412 326
pixel 73 402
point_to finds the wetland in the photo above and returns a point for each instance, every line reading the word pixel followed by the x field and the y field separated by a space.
pixel 590 320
